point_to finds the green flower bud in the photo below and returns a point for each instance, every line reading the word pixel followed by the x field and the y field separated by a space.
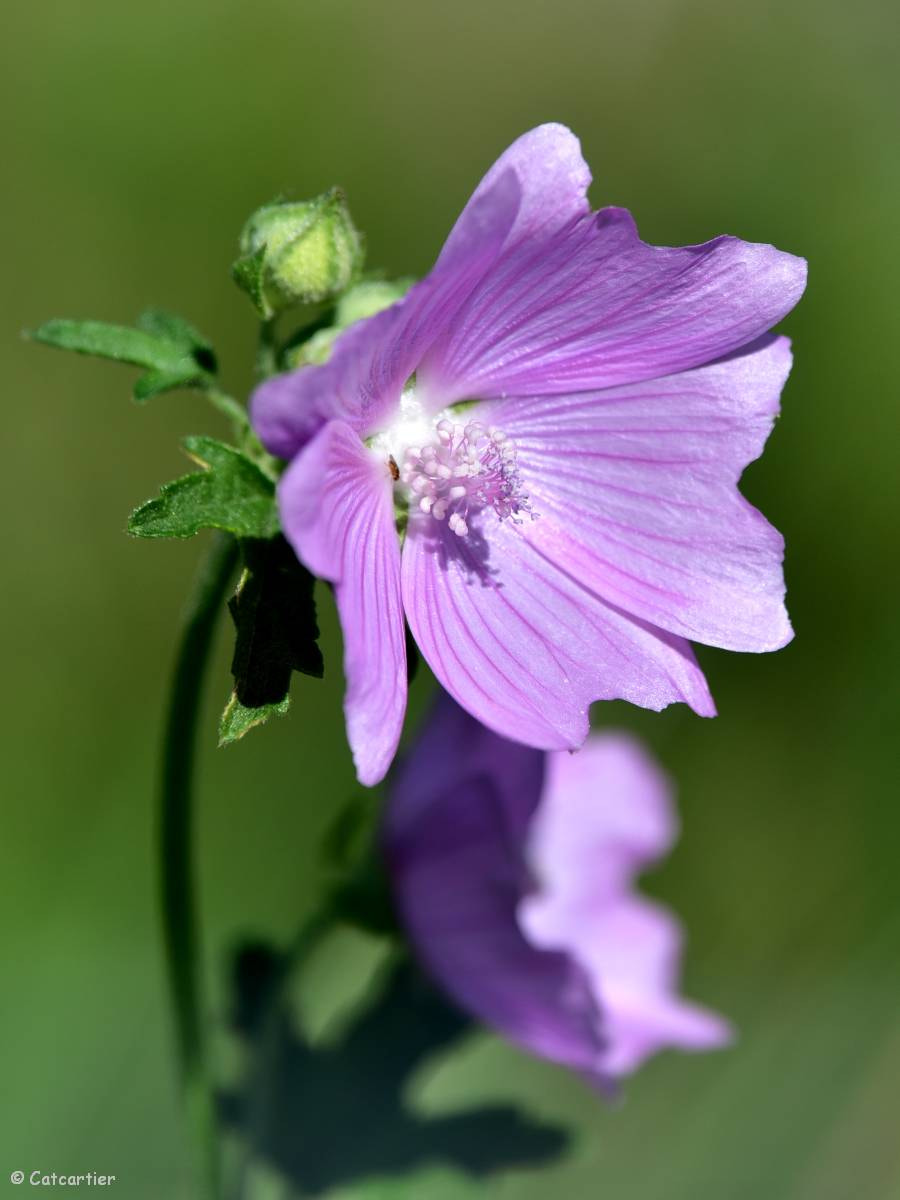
pixel 364 299
pixel 298 253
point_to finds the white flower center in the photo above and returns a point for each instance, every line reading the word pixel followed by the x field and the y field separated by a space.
pixel 411 427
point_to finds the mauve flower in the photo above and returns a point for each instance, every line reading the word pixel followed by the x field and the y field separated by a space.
pixel 513 874
pixel 565 412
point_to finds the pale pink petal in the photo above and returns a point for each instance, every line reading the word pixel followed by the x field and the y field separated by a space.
pixel 632 952
pixel 636 487
pixel 454 837
pixel 605 814
pixel 523 646
pixel 337 512
pixel 600 822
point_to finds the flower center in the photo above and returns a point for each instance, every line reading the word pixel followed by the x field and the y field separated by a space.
pixel 467 468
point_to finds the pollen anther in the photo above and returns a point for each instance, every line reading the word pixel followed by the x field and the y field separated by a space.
pixel 468 468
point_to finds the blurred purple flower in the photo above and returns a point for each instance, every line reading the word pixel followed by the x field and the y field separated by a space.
pixel 513 873
pixel 578 518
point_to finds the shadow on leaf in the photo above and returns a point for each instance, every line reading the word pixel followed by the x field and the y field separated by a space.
pixel 326 1116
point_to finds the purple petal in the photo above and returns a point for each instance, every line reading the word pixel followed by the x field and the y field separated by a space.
pixel 600 821
pixel 522 645
pixel 450 750
pixel 454 837
pixel 551 182
pixel 636 488
pixel 355 385
pixel 535 187
pixel 592 306
pixel 337 512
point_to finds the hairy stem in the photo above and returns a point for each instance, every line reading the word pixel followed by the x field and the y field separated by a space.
pixel 267 351
pixel 176 862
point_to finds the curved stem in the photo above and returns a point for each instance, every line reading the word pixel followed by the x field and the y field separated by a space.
pixel 231 408
pixel 176 858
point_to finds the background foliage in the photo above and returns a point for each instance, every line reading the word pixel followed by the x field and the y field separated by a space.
pixel 137 140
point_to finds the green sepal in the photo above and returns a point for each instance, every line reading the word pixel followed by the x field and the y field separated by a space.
pixel 237 719
pixel 247 273
pixel 274 614
pixel 231 493
pixel 173 353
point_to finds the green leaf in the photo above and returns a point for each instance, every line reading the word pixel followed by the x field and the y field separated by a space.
pixel 274 614
pixel 179 332
pixel 172 351
pixel 237 719
pixel 110 341
pixel 230 493
pixel 153 383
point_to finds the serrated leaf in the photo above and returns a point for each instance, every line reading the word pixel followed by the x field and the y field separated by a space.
pixel 274 614
pixel 173 352
pixel 230 493
pixel 237 719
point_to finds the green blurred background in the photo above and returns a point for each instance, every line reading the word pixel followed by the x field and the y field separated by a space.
pixel 136 141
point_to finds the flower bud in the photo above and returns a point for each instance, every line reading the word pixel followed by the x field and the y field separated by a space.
pixel 298 253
